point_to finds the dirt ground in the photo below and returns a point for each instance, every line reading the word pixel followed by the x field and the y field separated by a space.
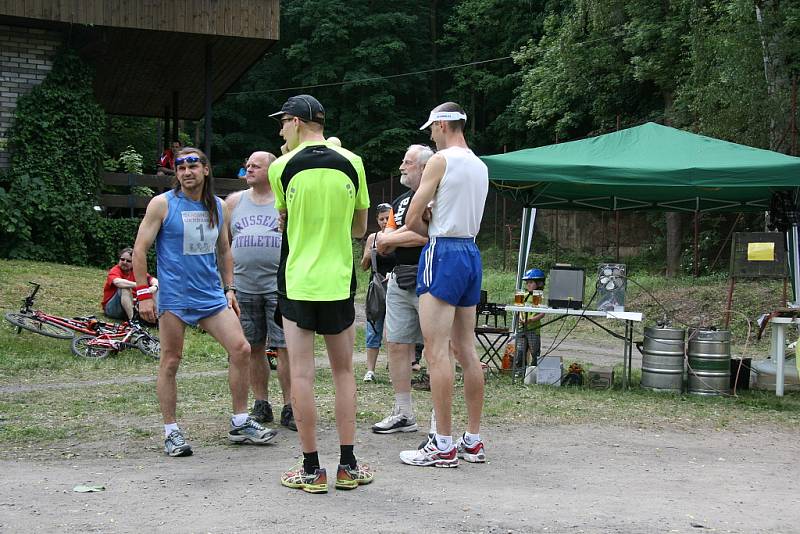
pixel 563 479
pixel 577 479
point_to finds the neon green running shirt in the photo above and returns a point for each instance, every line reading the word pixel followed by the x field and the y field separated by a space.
pixel 319 185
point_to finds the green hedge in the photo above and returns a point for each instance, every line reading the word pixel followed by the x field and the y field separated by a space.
pixel 56 143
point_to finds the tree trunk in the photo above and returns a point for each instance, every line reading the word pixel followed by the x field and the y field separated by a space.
pixel 434 51
pixel 674 234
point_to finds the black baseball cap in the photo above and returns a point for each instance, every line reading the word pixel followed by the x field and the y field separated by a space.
pixel 304 107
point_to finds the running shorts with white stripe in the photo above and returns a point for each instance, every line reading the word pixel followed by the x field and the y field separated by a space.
pixel 450 269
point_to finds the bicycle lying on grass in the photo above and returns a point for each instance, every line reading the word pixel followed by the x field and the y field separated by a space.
pixel 101 346
pixel 99 338
pixel 49 325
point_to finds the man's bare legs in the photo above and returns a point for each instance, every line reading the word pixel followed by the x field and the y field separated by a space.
pixel 340 355
pixel 225 328
pixel 463 344
pixel 126 301
pixel 259 372
pixel 400 357
pixel 284 376
pixel 171 332
pixel 436 319
pixel 300 345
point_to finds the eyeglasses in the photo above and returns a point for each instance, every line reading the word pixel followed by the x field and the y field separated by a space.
pixel 187 159
pixel 126 260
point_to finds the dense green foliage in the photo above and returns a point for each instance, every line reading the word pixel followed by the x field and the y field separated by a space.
pixel 47 197
pixel 723 68
pixel 579 67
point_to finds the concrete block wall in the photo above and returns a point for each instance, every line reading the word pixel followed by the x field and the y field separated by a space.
pixel 26 57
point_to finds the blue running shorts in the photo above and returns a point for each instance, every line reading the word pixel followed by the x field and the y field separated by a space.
pixel 192 317
pixel 450 269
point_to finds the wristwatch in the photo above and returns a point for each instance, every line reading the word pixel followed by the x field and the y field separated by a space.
pixel 230 288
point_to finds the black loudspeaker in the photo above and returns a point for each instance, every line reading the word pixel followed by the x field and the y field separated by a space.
pixel 565 285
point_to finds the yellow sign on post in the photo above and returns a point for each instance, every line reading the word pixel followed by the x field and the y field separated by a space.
pixel 761 252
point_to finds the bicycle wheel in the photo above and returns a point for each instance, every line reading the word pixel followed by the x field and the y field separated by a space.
pixel 34 324
pixel 150 345
pixel 83 346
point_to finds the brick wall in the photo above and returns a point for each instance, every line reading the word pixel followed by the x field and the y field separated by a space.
pixel 26 57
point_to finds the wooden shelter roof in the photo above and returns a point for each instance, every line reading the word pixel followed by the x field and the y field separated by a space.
pixel 146 50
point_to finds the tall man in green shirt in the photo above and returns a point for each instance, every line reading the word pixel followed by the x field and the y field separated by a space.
pixel 321 194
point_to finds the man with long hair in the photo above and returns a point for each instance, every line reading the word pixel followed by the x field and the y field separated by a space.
pixel 193 252
pixel 321 192
pixel 449 282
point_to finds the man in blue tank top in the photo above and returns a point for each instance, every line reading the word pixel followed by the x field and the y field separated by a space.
pixel 193 251
pixel 448 207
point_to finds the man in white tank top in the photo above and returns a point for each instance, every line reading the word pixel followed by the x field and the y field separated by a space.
pixel 448 207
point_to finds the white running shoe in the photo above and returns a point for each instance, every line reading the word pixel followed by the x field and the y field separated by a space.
pixel 395 422
pixel 369 376
pixel 474 453
pixel 430 456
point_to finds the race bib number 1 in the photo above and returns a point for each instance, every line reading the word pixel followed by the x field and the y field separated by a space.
pixel 198 236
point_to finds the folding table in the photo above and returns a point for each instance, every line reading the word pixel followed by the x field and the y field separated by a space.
pixel 592 315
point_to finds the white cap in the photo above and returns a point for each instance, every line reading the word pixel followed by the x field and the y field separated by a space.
pixel 444 116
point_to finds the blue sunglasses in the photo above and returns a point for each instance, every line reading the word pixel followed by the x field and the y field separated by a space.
pixel 187 159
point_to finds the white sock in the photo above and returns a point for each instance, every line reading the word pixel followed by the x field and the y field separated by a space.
pixel 444 443
pixel 433 423
pixel 470 439
pixel 169 428
pixel 238 419
pixel 402 403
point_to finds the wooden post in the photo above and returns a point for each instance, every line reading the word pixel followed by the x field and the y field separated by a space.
pixel 175 116
pixel 209 98
pixel 159 138
pixel 167 140
pixel 729 302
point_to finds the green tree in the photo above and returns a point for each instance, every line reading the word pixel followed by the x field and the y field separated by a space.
pixel 481 30
pixel 323 42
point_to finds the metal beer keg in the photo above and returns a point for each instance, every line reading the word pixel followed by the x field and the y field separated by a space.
pixel 662 359
pixel 709 362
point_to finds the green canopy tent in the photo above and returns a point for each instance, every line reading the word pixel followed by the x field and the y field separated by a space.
pixel 648 167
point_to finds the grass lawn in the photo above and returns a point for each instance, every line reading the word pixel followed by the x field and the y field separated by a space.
pixel 69 413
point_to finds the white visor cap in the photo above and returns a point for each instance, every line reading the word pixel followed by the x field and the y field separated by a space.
pixel 444 116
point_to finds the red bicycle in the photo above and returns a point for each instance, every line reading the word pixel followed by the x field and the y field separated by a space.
pixel 134 336
pixel 49 325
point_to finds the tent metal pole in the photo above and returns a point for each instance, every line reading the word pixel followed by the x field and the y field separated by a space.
pixel 794 239
pixel 522 258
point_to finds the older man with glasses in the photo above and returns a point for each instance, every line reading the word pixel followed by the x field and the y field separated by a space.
pixel 117 291
pixel 403 330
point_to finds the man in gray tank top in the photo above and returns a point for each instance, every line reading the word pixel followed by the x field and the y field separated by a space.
pixel 256 247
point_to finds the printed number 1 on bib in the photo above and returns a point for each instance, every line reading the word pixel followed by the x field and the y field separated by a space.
pixel 198 236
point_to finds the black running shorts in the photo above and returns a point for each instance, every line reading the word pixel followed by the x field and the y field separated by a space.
pixel 325 318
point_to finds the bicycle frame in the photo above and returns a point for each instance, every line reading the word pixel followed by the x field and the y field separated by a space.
pixel 85 325
pixel 119 340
